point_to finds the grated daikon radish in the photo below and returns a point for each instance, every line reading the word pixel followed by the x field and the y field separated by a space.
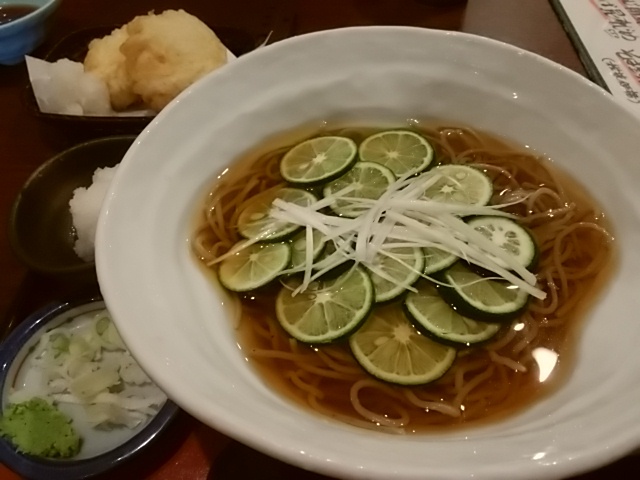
pixel 85 208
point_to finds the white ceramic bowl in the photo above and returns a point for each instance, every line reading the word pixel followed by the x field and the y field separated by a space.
pixel 172 318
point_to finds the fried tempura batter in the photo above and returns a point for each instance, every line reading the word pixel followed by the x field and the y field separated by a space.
pixel 155 57
pixel 105 60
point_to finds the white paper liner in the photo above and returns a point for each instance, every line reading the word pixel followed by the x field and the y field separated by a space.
pixel 72 91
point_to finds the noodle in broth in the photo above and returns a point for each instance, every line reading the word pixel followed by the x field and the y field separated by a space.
pixel 486 381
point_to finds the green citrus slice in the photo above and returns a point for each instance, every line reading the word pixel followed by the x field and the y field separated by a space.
pixel 402 151
pixel 436 260
pixel 481 298
pixel 299 247
pixel 509 235
pixel 254 266
pixel 369 181
pixel 328 310
pixel 318 160
pixel 438 319
pixel 398 269
pixel 391 349
pixel 255 220
pixel 460 184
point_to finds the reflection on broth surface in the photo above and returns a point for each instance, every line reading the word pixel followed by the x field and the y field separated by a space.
pixel 529 356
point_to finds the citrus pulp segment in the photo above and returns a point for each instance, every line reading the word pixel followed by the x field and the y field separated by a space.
pixel 512 237
pixel 481 298
pixel 318 160
pixel 367 180
pixel 254 266
pixel 391 349
pixel 402 151
pixel 327 310
pixel 255 220
pixel 431 312
pixel 436 260
pixel 460 184
pixel 400 268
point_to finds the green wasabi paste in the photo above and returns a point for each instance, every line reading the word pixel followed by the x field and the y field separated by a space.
pixel 37 428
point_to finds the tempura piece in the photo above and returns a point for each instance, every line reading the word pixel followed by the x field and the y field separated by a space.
pixel 166 53
pixel 105 60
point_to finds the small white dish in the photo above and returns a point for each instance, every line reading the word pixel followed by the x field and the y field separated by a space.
pixel 176 323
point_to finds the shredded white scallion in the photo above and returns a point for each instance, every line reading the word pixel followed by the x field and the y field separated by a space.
pixel 401 217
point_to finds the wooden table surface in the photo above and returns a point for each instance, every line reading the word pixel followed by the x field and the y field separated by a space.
pixel 191 450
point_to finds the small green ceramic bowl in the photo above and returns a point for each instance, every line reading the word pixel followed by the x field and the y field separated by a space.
pixel 40 225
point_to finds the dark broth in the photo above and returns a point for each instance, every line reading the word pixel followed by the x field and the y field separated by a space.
pixel 10 13
pixel 502 393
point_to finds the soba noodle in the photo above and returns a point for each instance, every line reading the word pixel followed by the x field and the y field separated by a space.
pixel 486 381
